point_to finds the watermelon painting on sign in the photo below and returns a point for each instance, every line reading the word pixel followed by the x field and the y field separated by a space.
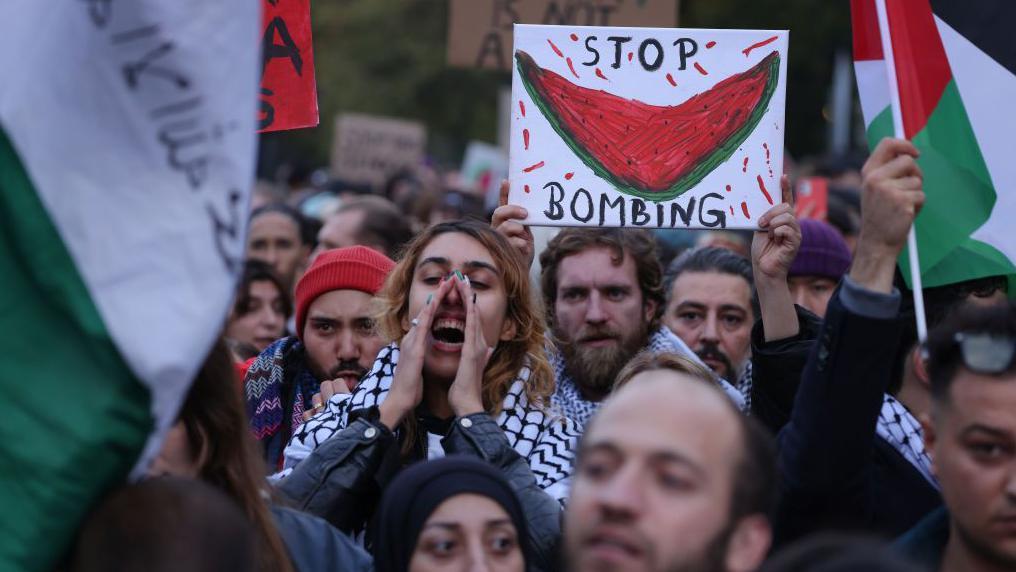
pixel 647 127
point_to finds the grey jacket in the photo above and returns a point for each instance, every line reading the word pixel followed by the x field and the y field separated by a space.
pixel 315 546
pixel 342 479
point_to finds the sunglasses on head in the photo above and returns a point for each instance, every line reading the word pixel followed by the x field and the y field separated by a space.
pixel 986 354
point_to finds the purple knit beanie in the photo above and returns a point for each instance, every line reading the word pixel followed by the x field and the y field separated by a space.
pixel 823 251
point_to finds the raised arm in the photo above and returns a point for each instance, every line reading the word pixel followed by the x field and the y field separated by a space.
pixel 781 339
pixel 773 250
pixel 893 195
pixel 827 449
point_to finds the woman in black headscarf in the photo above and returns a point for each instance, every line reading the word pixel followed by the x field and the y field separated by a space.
pixel 456 512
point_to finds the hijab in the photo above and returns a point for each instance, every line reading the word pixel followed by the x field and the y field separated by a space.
pixel 415 494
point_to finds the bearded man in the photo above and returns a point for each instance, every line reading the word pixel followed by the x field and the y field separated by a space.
pixel 336 343
pixel 710 294
pixel 604 295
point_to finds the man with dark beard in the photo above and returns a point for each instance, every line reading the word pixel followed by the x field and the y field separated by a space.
pixel 335 344
pixel 604 296
pixel 670 477
pixel 709 295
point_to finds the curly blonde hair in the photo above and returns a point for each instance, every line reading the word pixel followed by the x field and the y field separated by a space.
pixel 525 349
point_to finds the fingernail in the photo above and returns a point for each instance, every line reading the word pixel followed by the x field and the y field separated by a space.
pixel 459 275
pixel 474 297
pixel 429 298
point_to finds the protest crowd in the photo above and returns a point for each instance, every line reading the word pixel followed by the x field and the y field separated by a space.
pixel 411 377
pixel 393 393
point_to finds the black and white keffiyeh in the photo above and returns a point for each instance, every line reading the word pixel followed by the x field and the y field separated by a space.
pixel 569 401
pixel 547 440
pixel 901 430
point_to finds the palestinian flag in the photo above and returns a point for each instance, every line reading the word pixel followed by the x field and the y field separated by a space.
pixel 127 142
pixel 956 72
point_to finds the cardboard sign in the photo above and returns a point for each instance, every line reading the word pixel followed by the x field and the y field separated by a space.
pixel 480 31
pixel 288 89
pixel 368 149
pixel 812 198
pixel 647 127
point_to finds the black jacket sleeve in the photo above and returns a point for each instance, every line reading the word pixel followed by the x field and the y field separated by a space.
pixel 826 450
pixel 341 480
pixel 777 367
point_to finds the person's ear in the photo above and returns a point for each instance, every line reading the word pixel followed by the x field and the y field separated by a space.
pixel 509 329
pixel 919 366
pixel 204 453
pixel 650 310
pixel 930 438
pixel 749 543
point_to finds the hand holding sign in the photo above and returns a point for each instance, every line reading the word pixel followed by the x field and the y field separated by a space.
pixel 505 220
pixel 772 253
pixel 774 248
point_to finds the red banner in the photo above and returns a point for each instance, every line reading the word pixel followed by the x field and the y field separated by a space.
pixel 288 89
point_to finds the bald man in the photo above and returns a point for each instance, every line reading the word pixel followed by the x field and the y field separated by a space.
pixel 670 477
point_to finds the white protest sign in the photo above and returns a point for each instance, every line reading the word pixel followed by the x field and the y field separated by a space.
pixel 647 127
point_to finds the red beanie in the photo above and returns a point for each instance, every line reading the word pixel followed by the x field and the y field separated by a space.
pixel 352 268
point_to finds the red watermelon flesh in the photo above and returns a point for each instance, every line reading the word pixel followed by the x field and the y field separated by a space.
pixel 653 152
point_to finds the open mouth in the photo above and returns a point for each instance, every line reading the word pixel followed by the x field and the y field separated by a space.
pixel 448 333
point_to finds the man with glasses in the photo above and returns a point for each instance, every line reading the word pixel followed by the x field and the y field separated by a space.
pixel 971 437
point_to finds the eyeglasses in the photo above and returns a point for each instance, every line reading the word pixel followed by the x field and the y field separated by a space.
pixel 986 354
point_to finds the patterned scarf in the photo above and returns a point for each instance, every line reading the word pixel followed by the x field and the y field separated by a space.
pixel 569 401
pixel 899 428
pixel 546 440
pixel 265 390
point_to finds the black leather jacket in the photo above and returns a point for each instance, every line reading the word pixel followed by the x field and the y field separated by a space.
pixel 342 479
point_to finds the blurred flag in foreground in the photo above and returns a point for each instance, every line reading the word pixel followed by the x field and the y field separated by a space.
pixel 956 72
pixel 127 141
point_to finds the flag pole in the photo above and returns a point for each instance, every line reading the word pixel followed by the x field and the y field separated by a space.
pixel 894 98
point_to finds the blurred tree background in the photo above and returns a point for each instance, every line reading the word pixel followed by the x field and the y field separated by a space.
pixel 387 57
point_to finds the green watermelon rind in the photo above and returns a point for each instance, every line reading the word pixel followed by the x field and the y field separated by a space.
pixel 706 165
